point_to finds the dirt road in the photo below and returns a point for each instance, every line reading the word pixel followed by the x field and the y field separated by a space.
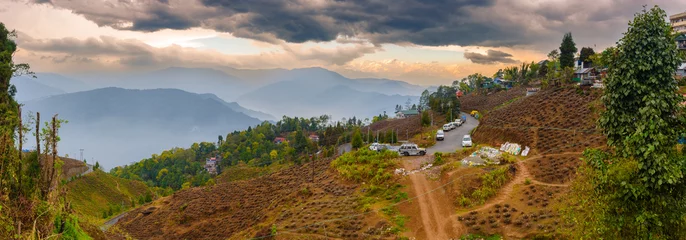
pixel 435 208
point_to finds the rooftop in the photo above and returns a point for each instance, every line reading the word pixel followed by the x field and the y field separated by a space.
pixel 678 15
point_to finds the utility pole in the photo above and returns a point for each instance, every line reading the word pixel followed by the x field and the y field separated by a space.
pixel 81 154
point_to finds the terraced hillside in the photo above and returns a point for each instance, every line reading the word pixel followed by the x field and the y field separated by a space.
pixel 285 202
pixel 558 124
pixel 486 103
pixel 551 121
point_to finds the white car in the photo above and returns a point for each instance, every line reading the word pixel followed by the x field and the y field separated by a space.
pixel 458 121
pixel 447 127
pixel 440 135
pixel 467 141
pixel 374 146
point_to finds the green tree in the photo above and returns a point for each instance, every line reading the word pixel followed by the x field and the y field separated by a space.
pixel 638 190
pixel 543 70
pixel 567 51
pixel 585 56
pixel 553 55
pixel 426 119
pixel 424 99
pixel 357 139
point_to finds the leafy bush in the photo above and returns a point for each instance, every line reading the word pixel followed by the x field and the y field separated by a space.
pixel 366 166
pixel 490 183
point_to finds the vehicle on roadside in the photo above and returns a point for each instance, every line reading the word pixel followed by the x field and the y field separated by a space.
pixel 466 141
pixel 374 146
pixel 382 147
pixel 379 147
pixel 411 149
pixel 458 121
pixel 447 127
pixel 440 135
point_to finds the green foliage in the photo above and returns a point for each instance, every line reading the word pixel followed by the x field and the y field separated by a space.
pixel 490 183
pixel 68 228
pixel 366 165
pixel 438 159
pixel 553 55
pixel 567 51
pixel 638 190
pixel 172 168
pixel 444 101
pixel 585 56
pixel 357 139
pixel 426 119
pixel 97 193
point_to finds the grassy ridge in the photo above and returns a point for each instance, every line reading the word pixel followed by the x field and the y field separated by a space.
pixel 95 193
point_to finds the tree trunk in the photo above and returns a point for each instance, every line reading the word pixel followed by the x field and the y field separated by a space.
pixel 21 146
pixel 53 141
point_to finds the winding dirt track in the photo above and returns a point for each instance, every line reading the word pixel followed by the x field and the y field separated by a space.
pixel 437 213
pixel 435 209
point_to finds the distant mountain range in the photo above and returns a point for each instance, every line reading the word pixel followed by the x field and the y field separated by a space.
pixel 274 92
pixel 179 106
pixel 325 92
pixel 117 126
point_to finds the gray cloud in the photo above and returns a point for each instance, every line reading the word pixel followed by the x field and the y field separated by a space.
pixel 491 57
pixel 490 23
pixel 134 54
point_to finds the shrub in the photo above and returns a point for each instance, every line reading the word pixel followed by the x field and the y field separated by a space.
pixel 438 158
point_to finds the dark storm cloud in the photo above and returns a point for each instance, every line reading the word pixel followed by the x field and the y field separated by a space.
pixel 491 23
pixel 491 57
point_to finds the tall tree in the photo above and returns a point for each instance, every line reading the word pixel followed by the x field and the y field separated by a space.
pixel 585 56
pixel 567 51
pixel 638 191
pixel 426 119
pixel 357 139
pixel 424 99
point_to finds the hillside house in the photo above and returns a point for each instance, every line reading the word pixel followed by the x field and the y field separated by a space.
pixel 280 140
pixel 585 76
pixel 681 70
pixel 314 137
pixel 681 42
pixel 211 165
pixel 406 113
pixel 507 84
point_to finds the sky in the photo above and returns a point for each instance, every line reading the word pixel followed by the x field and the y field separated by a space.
pixel 424 42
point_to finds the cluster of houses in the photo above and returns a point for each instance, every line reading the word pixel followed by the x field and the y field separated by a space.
pixel 279 140
pixel 212 164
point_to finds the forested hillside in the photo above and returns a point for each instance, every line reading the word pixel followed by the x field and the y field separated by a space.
pixel 255 147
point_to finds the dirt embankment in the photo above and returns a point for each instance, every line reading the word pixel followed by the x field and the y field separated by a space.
pixel 485 103
pixel 551 121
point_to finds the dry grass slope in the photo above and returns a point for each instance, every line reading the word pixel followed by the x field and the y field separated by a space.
pixel 551 121
pixel 486 103
pixel 245 209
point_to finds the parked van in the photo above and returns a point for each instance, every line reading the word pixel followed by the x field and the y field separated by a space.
pixel 440 135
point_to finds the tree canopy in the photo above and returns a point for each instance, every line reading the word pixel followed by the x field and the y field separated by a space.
pixel 567 51
pixel 637 190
